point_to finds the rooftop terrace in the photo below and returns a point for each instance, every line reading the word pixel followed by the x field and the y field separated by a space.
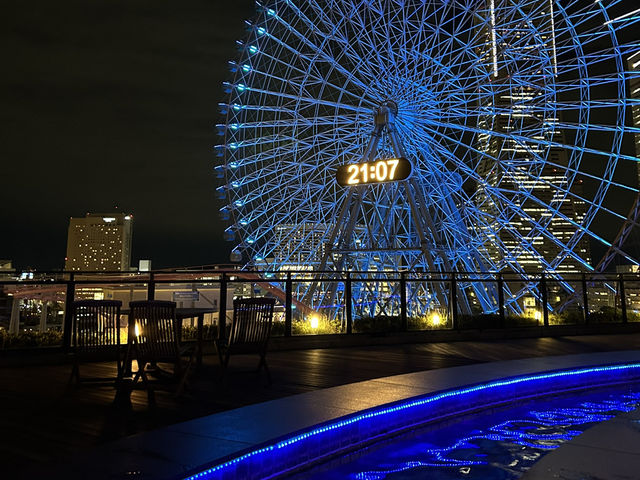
pixel 45 422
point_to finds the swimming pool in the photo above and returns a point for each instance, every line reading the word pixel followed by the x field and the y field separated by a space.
pixel 335 438
pixel 499 444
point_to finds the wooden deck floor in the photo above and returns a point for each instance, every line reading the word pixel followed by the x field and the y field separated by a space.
pixel 45 421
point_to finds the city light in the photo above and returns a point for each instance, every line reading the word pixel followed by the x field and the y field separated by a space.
pixel 435 319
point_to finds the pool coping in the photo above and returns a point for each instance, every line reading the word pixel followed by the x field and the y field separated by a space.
pixel 174 451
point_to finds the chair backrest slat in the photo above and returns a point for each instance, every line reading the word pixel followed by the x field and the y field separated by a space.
pixel 252 318
pixel 157 338
pixel 96 325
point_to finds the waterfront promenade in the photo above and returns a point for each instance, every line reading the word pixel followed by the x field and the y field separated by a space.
pixel 44 422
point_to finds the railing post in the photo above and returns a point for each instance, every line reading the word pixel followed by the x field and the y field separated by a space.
pixel 43 316
pixel 348 302
pixel 501 300
pixel 151 288
pixel 585 299
pixel 222 314
pixel 623 299
pixel 404 322
pixel 543 294
pixel 14 323
pixel 67 323
pixel 288 307
pixel 453 294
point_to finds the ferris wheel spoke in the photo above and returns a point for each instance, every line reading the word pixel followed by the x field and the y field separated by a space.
pixel 256 196
pixel 305 78
pixel 565 191
pixel 534 141
pixel 499 194
pixel 363 75
pixel 317 51
pixel 524 244
pixel 306 100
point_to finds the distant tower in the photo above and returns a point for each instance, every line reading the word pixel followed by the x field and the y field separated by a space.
pixel 526 172
pixel 99 241
pixel 634 84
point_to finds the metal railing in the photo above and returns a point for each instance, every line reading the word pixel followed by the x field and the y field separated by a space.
pixel 356 298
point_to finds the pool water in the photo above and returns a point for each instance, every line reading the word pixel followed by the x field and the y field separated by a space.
pixel 496 444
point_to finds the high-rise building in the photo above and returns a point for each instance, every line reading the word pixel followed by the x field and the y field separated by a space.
pixel 99 241
pixel 518 158
pixel 634 88
pixel 296 244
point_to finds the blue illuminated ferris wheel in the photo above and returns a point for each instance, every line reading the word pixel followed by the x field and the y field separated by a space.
pixel 513 116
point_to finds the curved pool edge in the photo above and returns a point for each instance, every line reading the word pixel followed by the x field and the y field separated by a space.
pixel 185 448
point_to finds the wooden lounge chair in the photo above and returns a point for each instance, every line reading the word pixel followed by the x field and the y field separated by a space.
pixel 250 331
pixel 95 336
pixel 155 333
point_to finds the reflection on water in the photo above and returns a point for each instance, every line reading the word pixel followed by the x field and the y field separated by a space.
pixel 501 444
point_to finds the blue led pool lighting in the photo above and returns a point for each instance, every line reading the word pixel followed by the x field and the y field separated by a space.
pixel 510 432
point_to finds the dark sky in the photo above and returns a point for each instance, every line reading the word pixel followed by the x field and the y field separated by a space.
pixel 108 103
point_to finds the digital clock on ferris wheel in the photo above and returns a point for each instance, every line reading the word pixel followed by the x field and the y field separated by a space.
pixel 378 171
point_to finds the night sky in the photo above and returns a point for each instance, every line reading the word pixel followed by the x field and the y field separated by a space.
pixel 109 103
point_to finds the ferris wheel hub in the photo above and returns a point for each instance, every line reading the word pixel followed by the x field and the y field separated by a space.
pixel 385 113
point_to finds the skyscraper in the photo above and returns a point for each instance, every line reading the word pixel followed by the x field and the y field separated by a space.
pixel 634 88
pixel 518 56
pixel 99 241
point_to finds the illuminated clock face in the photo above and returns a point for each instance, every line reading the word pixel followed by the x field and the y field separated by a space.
pixel 379 171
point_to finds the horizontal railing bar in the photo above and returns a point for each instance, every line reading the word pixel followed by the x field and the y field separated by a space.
pixel 284 272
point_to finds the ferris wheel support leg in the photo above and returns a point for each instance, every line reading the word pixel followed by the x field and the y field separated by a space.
pixel 424 246
pixel 343 235
pixel 346 233
pixel 331 293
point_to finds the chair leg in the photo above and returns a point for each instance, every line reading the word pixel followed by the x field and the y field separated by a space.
pixel 224 363
pixel 123 391
pixel 263 363
pixel 75 373
pixel 182 384
pixel 141 374
pixel 151 395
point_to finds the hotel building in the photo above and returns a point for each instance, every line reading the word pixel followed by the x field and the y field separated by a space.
pixel 99 242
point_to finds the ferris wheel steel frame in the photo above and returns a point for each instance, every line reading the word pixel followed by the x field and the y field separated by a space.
pixel 512 113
